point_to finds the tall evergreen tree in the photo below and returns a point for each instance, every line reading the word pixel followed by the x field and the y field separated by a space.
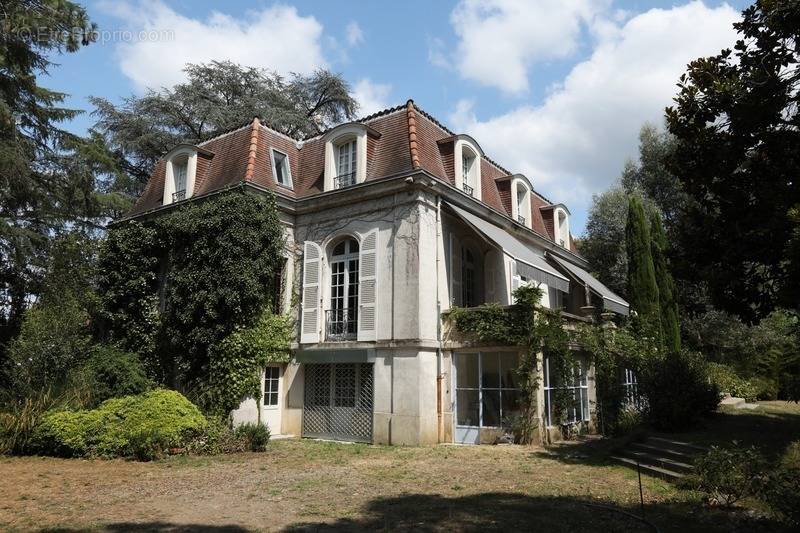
pixel 642 285
pixel 670 328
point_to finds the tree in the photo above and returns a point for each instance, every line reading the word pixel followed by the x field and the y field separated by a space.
pixel 737 128
pixel 642 285
pixel 670 327
pixel 216 97
pixel 38 196
pixel 604 243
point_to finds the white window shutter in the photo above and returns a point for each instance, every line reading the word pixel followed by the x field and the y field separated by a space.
pixel 516 281
pixel 455 275
pixel 368 287
pixel 309 315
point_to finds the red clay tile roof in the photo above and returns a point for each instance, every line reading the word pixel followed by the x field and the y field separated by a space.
pixel 402 138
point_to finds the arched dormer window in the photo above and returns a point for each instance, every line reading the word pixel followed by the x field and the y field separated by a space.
pixel 467 160
pixel 561 226
pixel 521 200
pixel 180 173
pixel 346 155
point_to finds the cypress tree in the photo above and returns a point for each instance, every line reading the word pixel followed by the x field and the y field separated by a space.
pixel 670 330
pixel 642 285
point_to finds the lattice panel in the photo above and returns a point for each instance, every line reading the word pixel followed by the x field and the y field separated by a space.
pixel 338 401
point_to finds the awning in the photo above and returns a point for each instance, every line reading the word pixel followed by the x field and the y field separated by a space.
pixel 611 301
pixel 528 263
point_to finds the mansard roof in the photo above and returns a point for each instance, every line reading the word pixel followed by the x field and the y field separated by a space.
pixel 400 139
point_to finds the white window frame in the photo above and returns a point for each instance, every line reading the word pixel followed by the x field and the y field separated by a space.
pixel 561 229
pixel 580 410
pixel 287 165
pixel 480 388
pixel 349 262
pixel 463 146
pixel 175 159
pixel 521 210
pixel 333 140
pixel 272 386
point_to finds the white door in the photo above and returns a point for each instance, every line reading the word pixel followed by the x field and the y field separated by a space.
pixel 272 398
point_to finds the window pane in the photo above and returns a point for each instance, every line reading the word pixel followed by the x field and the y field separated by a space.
pixel 467 370
pixel 490 370
pixel 491 408
pixel 467 408
pixel 509 362
pixel 512 401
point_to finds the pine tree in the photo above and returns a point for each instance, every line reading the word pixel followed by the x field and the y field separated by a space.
pixel 642 285
pixel 670 330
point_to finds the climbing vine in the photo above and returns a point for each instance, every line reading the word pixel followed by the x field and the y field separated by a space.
pixel 177 285
pixel 237 360
pixel 537 330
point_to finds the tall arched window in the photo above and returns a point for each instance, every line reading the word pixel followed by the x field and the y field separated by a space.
pixel 342 319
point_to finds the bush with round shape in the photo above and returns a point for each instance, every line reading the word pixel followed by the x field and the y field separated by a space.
pixel 729 474
pixel 678 391
pixel 255 435
pixel 727 380
pixel 144 426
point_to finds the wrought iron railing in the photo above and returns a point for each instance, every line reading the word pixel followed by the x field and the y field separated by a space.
pixel 344 180
pixel 467 189
pixel 562 243
pixel 341 324
pixel 521 219
pixel 177 196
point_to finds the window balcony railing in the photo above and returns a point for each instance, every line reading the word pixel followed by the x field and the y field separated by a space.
pixel 344 180
pixel 467 189
pixel 562 243
pixel 341 324
pixel 177 196
pixel 521 219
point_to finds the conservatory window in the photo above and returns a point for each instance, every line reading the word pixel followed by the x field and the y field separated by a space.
pixel 577 409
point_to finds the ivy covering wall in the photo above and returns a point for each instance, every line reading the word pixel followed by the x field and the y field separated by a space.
pixel 188 289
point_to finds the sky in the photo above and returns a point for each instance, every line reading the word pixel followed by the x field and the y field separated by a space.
pixel 554 89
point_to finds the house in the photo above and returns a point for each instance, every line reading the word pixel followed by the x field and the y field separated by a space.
pixel 390 221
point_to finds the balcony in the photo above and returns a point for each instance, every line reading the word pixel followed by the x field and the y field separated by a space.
pixel 467 189
pixel 344 180
pixel 521 219
pixel 341 324
pixel 177 196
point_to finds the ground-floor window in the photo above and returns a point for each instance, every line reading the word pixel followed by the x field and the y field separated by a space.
pixel 487 391
pixel 630 388
pixel 578 408
pixel 272 376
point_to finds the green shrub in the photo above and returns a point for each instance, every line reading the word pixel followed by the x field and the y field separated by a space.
pixel 255 435
pixel 216 438
pixel 114 373
pixel 678 391
pixel 726 380
pixel 143 426
pixel 765 388
pixel 782 490
pixel 728 475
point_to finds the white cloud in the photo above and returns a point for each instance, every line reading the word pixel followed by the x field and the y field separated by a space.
pixel 354 34
pixel 371 96
pixel 500 39
pixel 576 141
pixel 275 38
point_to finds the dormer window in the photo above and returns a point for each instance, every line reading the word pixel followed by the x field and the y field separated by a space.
pixel 346 155
pixel 521 204
pixel 467 162
pixel 281 170
pixel 346 164
pixel 562 224
pixel 180 173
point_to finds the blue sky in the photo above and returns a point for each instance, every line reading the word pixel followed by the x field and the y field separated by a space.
pixel 555 89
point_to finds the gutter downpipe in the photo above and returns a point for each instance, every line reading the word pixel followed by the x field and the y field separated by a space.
pixel 439 357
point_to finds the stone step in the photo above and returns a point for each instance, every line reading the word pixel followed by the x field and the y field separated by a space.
pixel 660 461
pixel 678 445
pixel 733 402
pixel 665 451
pixel 652 470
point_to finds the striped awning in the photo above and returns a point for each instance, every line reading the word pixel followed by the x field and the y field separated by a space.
pixel 528 263
pixel 611 301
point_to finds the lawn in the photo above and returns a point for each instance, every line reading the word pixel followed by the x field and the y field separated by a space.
pixel 310 485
